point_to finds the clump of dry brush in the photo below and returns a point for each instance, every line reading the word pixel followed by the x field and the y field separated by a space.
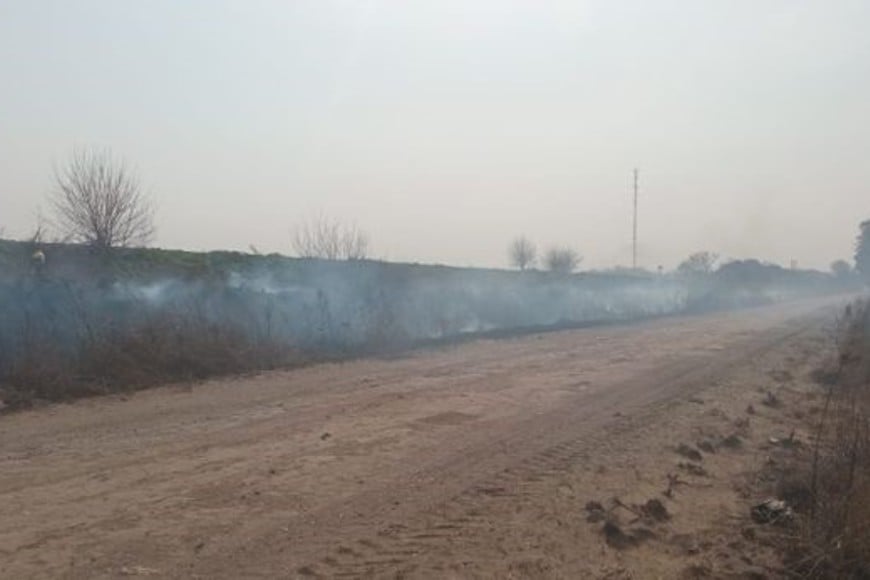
pixel 832 534
pixel 60 340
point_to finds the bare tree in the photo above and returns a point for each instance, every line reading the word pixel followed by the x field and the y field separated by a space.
pixel 354 243
pixel 699 263
pixel 562 260
pixel 99 201
pixel 330 240
pixel 522 253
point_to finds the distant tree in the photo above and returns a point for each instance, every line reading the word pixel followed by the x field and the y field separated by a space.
pixel 522 253
pixel 562 260
pixel 330 240
pixel 862 250
pixel 699 263
pixel 841 269
pixel 99 201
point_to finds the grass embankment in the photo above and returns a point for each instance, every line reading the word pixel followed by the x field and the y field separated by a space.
pixel 86 323
pixel 79 326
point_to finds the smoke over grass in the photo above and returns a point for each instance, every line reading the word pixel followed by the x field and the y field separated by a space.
pixel 86 324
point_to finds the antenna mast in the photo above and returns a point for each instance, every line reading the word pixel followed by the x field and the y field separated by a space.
pixel 634 237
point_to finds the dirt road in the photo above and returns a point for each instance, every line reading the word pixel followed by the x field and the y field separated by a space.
pixel 371 467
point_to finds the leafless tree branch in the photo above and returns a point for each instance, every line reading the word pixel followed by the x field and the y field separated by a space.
pixel 99 202
pixel 330 240
pixel 522 253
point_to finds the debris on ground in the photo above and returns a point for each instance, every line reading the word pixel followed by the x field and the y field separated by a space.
pixel 325 436
pixel 697 572
pixel 651 512
pixel 717 413
pixel 750 410
pixel 733 441
pixel 620 540
pixel 771 511
pixel 655 510
pixel 707 445
pixel 615 537
pixel 673 482
pixel 688 544
pixel 596 512
pixel 693 469
pixel 689 452
pixel 742 424
pixel 754 573
pixel 633 509
pixel 771 400
pixel 789 442
pixel 139 571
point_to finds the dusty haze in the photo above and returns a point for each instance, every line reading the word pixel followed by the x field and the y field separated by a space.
pixel 446 128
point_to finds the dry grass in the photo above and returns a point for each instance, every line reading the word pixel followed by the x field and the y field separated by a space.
pixel 163 348
pixel 60 341
pixel 831 491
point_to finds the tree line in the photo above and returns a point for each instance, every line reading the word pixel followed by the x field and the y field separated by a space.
pixel 523 254
pixel 99 201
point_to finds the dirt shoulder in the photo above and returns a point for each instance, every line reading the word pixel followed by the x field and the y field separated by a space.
pixel 469 461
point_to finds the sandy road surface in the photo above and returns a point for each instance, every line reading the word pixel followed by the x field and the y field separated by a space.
pixel 344 469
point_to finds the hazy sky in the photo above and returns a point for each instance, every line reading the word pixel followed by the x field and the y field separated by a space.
pixel 444 128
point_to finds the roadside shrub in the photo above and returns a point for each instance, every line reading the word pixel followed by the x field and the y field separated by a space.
pixel 833 533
